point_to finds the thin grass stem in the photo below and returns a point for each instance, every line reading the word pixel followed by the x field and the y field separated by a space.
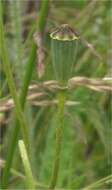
pixel 43 15
pixel 23 95
pixel 11 84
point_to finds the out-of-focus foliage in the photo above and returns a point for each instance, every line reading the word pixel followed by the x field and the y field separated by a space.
pixel 86 149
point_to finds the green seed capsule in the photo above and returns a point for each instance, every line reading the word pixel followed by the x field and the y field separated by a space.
pixel 63 46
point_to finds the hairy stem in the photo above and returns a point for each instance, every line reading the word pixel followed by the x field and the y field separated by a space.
pixel 59 136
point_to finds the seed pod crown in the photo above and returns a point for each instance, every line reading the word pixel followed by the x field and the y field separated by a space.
pixel 64 33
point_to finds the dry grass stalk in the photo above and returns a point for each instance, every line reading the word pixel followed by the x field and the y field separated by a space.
pixel 40 53
pixel 94 84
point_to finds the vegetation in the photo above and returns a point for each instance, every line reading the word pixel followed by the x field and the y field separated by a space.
pixel 55 96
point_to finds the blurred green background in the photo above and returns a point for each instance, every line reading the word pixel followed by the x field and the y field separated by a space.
pixel 86 148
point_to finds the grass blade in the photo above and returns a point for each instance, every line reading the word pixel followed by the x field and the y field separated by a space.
pixel 12 87
pixel 99 183
pixel 23 95
pixel 24 155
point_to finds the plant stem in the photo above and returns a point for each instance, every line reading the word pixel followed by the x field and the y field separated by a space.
pixel 43 15
pixel 59 135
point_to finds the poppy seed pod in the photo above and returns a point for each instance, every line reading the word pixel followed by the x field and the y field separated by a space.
pixel 63 47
